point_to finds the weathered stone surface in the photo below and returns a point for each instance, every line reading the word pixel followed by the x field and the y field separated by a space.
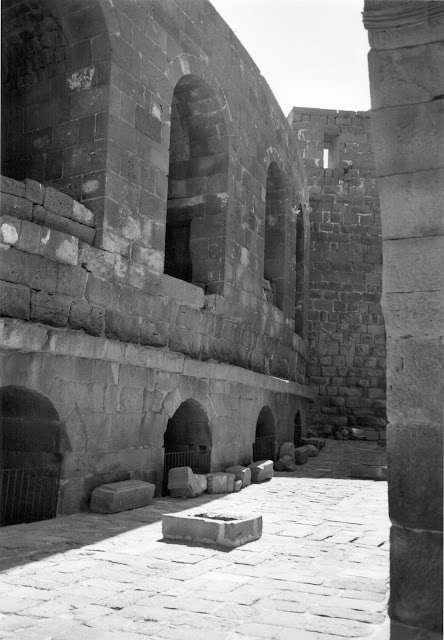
pixel 237 485
pixel 14 206
pixel 414 264
pixel 15 300
pixel 319 443
pixel 121 496
pixel 301 455
pixel 286 463
pixel 261 471
pixel 241 473
pixel 313 451
pixel 371 435
pixel 356 434
pixel 209 528
pixel 220 482
pixel 183 483
pixel 35 191
pixel 287 449
pixel 368 471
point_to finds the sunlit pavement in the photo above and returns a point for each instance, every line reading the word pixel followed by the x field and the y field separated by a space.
pixel 319 572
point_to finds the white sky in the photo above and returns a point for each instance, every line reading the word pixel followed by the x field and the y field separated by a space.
pixel 313 53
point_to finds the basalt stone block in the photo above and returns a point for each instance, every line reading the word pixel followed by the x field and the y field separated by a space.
pixel 220 482
pixel 237 486
pixel 313 451
pixel 286 463
pixel 371 435
pixel 317 442
pixel 241 473
pixel 183 483
pixel 301 455
pixel 356 434
pixel 368 471
pixel 211 528
pixel 261 471
pixel 121 496
pixel 287 449
pixel 14 206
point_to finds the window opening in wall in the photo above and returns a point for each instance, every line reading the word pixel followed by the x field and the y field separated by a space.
pixel 197 186
pixel 187 440
pixel 264 447
pixel 274 249
pixel 330 157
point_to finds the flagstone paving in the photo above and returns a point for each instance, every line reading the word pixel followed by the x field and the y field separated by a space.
pixel 319 572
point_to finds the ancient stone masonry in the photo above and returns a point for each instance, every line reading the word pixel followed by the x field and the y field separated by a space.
pixel 153 207
pixel 345 326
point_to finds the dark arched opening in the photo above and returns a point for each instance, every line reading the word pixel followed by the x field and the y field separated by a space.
pixel 197 186
pixel 297 438
pixel 187 440
pixel 274 249
pixel 264 447
pixel 30 433
pixel 300 273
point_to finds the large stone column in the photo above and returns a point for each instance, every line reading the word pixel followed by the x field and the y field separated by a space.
pixel 406 66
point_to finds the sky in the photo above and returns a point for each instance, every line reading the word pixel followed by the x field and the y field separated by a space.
pixel 313 53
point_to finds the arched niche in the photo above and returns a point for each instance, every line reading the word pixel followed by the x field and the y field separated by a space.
pixel 187 440
pixel 197 186
pixel 297 432
pixel 274 246
pixel 264 447
pixel 30 436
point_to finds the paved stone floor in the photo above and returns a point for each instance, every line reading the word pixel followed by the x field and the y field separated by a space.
pixel 319 572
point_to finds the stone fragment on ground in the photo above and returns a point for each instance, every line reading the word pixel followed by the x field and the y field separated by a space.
pixel 220 482
pixel 286 463
pixel 261 471
pixel 317 442
pixel 121 496
pixel 357 434
pixel 371 435
pixel 368 471
pixel 301 454
pixel 287 449
pixel 183 483
pixel 312 450
pixel 241 473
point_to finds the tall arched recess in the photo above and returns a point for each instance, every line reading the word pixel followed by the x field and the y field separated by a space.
pixel 300 274
pixel 264 446
pixel 30 435
pixel 197 186
pixel 274 251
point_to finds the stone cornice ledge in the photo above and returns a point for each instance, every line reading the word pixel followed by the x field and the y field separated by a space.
pixel 27 337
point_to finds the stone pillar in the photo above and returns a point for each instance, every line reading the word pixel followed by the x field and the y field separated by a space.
pixel 406 66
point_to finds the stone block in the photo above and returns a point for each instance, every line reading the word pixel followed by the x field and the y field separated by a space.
pixel 413 264
pixel 403 195
pixel 29 237
pixel 301 455
pixel 241 473
pixel 287 449
pixel 153 334
pixel 84 316
pixel 317 442
pixel 15 300
pixel 286 463
pixel 368 471
pixel 16 207
pixel 50 308
pixel 34 191
pixel 220 482
pixel 211 528
pixel 261 471
pixel 416 577
pixel 58 202
pixel 120 326
pixel 10 228
pixel 70 227
pixel 414 455
pixel 30 270
pixel 419 313
pixel 237 486
pixel 313 451
pixel 121 496
pixel 82 215
pixel 356 434
pixel 14 187
pixel 371 435
pixel 59 246
pixel 183 483
pixel 71 281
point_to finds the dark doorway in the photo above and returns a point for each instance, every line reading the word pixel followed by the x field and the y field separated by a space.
pixel 29 456
pixel 297 430
pixel 264 447
pixel 187 441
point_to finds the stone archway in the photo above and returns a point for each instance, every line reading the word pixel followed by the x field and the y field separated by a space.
pixel 30 457
pixel 187 440
pixel 264 447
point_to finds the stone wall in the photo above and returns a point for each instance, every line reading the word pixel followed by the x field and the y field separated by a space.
pixel 345 331
pixel 406 65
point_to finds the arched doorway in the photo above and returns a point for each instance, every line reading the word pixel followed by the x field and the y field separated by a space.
pixel 264 447
pixel 30 461
pixel 197 186
pixel 187 440
pixel 274 249
pixel 297 437
pixel 300 273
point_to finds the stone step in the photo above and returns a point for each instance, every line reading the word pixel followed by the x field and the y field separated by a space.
pixel 121 496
